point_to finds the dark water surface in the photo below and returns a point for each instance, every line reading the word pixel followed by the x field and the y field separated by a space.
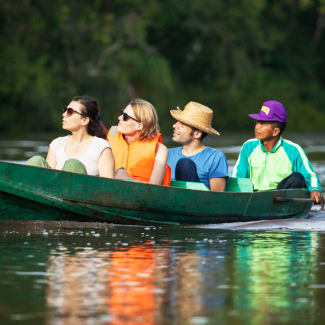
pixel 268 272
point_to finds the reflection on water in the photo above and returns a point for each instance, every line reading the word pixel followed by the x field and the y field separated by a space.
pixel 76 285
pixel 288 271
pixel 122 285
pixel 131 285
pixel 72 273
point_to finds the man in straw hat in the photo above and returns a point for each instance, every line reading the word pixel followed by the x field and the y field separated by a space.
pixel 272 162
pixel 194 161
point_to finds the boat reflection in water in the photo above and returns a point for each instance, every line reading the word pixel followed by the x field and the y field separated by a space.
pixel 273 274
pixel 256 278
pixel 127 286
pixel 115 286
pixel 76 286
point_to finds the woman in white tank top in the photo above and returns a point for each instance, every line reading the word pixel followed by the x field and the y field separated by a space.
pixel 85 150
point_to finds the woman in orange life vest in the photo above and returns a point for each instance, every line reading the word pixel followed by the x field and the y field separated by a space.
pixel 137 145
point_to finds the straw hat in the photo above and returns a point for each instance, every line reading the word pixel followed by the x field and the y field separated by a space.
pixel 195 115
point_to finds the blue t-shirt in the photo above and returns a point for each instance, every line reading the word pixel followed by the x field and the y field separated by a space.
pixel 210 163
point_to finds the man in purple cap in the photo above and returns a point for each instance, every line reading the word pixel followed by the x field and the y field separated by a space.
pixel 272 162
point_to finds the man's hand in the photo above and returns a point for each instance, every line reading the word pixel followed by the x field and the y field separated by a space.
pixel 121 173
pixel 317 197
pixel 217 184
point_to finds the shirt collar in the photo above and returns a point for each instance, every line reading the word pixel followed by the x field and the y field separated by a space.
pixel 275 148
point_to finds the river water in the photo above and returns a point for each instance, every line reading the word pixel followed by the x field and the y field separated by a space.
pixel 93 273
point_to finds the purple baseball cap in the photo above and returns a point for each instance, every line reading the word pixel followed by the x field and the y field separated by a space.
pixel 272 111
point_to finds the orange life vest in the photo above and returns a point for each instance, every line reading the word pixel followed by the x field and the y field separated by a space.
pixel 138 157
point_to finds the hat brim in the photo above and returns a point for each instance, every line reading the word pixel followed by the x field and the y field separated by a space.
pixel 177 115
pixel 258 117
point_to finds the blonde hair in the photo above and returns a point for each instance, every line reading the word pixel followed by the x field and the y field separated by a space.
pixel 146 114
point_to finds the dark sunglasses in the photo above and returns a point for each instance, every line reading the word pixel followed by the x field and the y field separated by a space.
pixel 70 111
pixel 126 117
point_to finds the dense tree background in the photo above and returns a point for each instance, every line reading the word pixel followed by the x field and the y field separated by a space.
pixel 228 54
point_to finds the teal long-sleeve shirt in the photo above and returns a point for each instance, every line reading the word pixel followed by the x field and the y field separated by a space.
pixel 267 169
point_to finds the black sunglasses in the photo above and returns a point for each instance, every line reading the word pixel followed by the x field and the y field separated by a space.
pixel 70 111
pixel 126 117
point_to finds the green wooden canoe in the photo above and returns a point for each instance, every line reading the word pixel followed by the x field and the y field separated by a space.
pixel 43 194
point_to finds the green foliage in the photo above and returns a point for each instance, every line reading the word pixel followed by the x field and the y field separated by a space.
pixel 230 55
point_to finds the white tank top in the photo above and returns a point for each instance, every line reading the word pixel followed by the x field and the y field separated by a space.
pixel 89 158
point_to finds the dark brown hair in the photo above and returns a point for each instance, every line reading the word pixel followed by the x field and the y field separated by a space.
pixel 91 109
